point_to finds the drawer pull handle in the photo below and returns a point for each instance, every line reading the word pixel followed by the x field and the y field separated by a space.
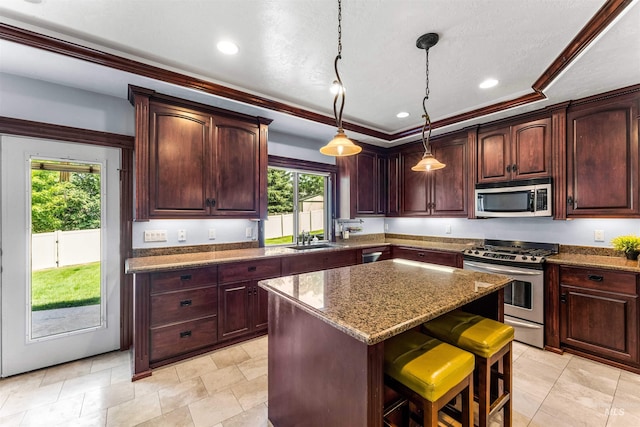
pixel 563 298
pixel 252 268
pixel 596 278
pixel 185 303
pixel 185 334
pixel 421 254
pixel 185 277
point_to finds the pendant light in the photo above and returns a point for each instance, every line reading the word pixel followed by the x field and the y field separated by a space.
pixel 428 162
pixel 340 145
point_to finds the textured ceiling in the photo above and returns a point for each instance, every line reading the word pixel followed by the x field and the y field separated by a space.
pixel 287 49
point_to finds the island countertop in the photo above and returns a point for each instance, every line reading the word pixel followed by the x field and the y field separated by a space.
pixel 373 302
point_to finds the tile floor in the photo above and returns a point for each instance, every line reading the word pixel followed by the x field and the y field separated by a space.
pixel 228 388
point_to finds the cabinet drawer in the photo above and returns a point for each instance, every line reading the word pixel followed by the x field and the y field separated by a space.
pixel 249 270
pixel 183 305
pixel 172 340
pixel 182 279
pixel 423 255
pixel 604 280
pixel 320 260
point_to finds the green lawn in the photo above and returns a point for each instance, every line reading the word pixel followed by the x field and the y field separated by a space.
pixel 71 286
pixel 288 239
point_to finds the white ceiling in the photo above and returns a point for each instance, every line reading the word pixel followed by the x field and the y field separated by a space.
pixel 287 48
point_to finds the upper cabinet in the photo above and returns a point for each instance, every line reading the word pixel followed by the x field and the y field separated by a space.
pixel 193 161
pixel 443 192
pixel 367 175
pixel 602 157
pixel 520 151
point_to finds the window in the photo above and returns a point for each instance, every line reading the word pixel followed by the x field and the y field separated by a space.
pixel 299 201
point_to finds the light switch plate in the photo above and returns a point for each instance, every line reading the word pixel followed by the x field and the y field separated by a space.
pixel 155 235
pixel 598 235
pixel 248 232
pixel 182 235
pixel 212 234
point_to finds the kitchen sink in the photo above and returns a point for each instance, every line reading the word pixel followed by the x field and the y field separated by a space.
pixel 309 247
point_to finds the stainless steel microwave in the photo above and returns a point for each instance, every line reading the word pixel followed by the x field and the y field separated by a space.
pixel 514 198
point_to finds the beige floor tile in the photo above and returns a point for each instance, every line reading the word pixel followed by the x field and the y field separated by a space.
pixel 557 361
pixel 54 413
pixel 580 395
pixel 22 382
pixel 254 368
pixel 13 420
pixel 180 417
pixel 214 409
pixel 182 394
pixel 229 356
pixel 96 419
pixel 106 397
pixel 525 404
pixel 517 349
pixel 519 420
pixel 161 378
pixel 66 371
pixel 568 410
pixel 195 367
pixel 251 393
pixel 85 383
pixel 110 360
pixel 257 347
pixel 254 417
pixel 134 412
pixel 222 378
pixel 592 374
pixel 535 378
pixel 21 401
pixel 121 373
pixel 620 417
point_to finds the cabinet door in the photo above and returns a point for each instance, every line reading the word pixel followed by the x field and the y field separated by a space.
pixel 393 185
pixel 234 307
pixel 602 323
pixel 381 185
pixel 449 186
pixel 494 157
pixel 179 162
pixel 367 183
pixel 236 173
pixel 602 161
pixel 531 149
pixel 415 200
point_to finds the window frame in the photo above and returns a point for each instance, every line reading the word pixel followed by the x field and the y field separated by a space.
pixel 310 167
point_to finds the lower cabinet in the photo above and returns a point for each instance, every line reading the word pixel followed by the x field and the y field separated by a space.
pixel 315 260
pixel 599 313
pixel 242 304
pixel 451 259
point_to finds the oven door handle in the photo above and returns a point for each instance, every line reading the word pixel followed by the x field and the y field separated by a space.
pixel 521 324
pixel 500 270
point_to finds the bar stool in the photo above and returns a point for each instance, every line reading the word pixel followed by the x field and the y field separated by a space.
pixel 490 341
pixel 429 373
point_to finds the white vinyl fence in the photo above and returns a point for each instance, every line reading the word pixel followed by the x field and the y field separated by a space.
pixel 63 248
pixel 282 225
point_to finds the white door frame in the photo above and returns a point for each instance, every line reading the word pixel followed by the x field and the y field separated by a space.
pixel 18 352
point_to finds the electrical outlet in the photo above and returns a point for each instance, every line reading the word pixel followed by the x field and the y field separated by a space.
pixel 248 232
pixel 155 235
pixel 386 227
pixel 182 235
pixel 598 235
pixel 447 229
pixel 212 234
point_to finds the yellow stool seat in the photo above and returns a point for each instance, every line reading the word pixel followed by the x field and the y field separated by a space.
pixel 426 365
pixel 479 335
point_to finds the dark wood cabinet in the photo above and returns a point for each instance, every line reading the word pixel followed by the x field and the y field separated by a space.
pixel 175 316
pixel 393 184
pixel 194 161
pixel 443 192
pixel 367 173
pixel 451 259
pixel 599 312
pixel 520 151
pixel 602 158
pixel 242 303
pixel 316 260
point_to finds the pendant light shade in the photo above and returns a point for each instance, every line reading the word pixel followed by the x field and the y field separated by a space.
pixel 340 145
pixel 428 163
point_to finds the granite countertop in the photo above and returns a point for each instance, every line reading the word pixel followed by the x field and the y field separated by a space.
pixel 207 258
pixel 373 302
pixel 600 261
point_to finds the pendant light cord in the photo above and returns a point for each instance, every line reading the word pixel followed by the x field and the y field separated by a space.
pixel 338 82
pixel 427 122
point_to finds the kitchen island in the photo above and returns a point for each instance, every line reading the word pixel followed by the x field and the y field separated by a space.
pixel 327 331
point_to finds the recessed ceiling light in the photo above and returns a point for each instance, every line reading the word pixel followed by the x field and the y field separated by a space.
pixel 227 47
pixel 488 83
pixel 402 115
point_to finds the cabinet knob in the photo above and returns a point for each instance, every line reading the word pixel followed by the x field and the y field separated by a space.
pixel 185 277
pixel 252 268
pixel 514 168
pixel 421 254
pixel 508 168
pixel 596 278
pixel 185 303
pixel 185 334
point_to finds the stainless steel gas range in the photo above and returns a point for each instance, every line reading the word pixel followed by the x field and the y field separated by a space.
pixel 524 298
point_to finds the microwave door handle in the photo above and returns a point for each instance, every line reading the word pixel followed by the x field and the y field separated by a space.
pixel 500 270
